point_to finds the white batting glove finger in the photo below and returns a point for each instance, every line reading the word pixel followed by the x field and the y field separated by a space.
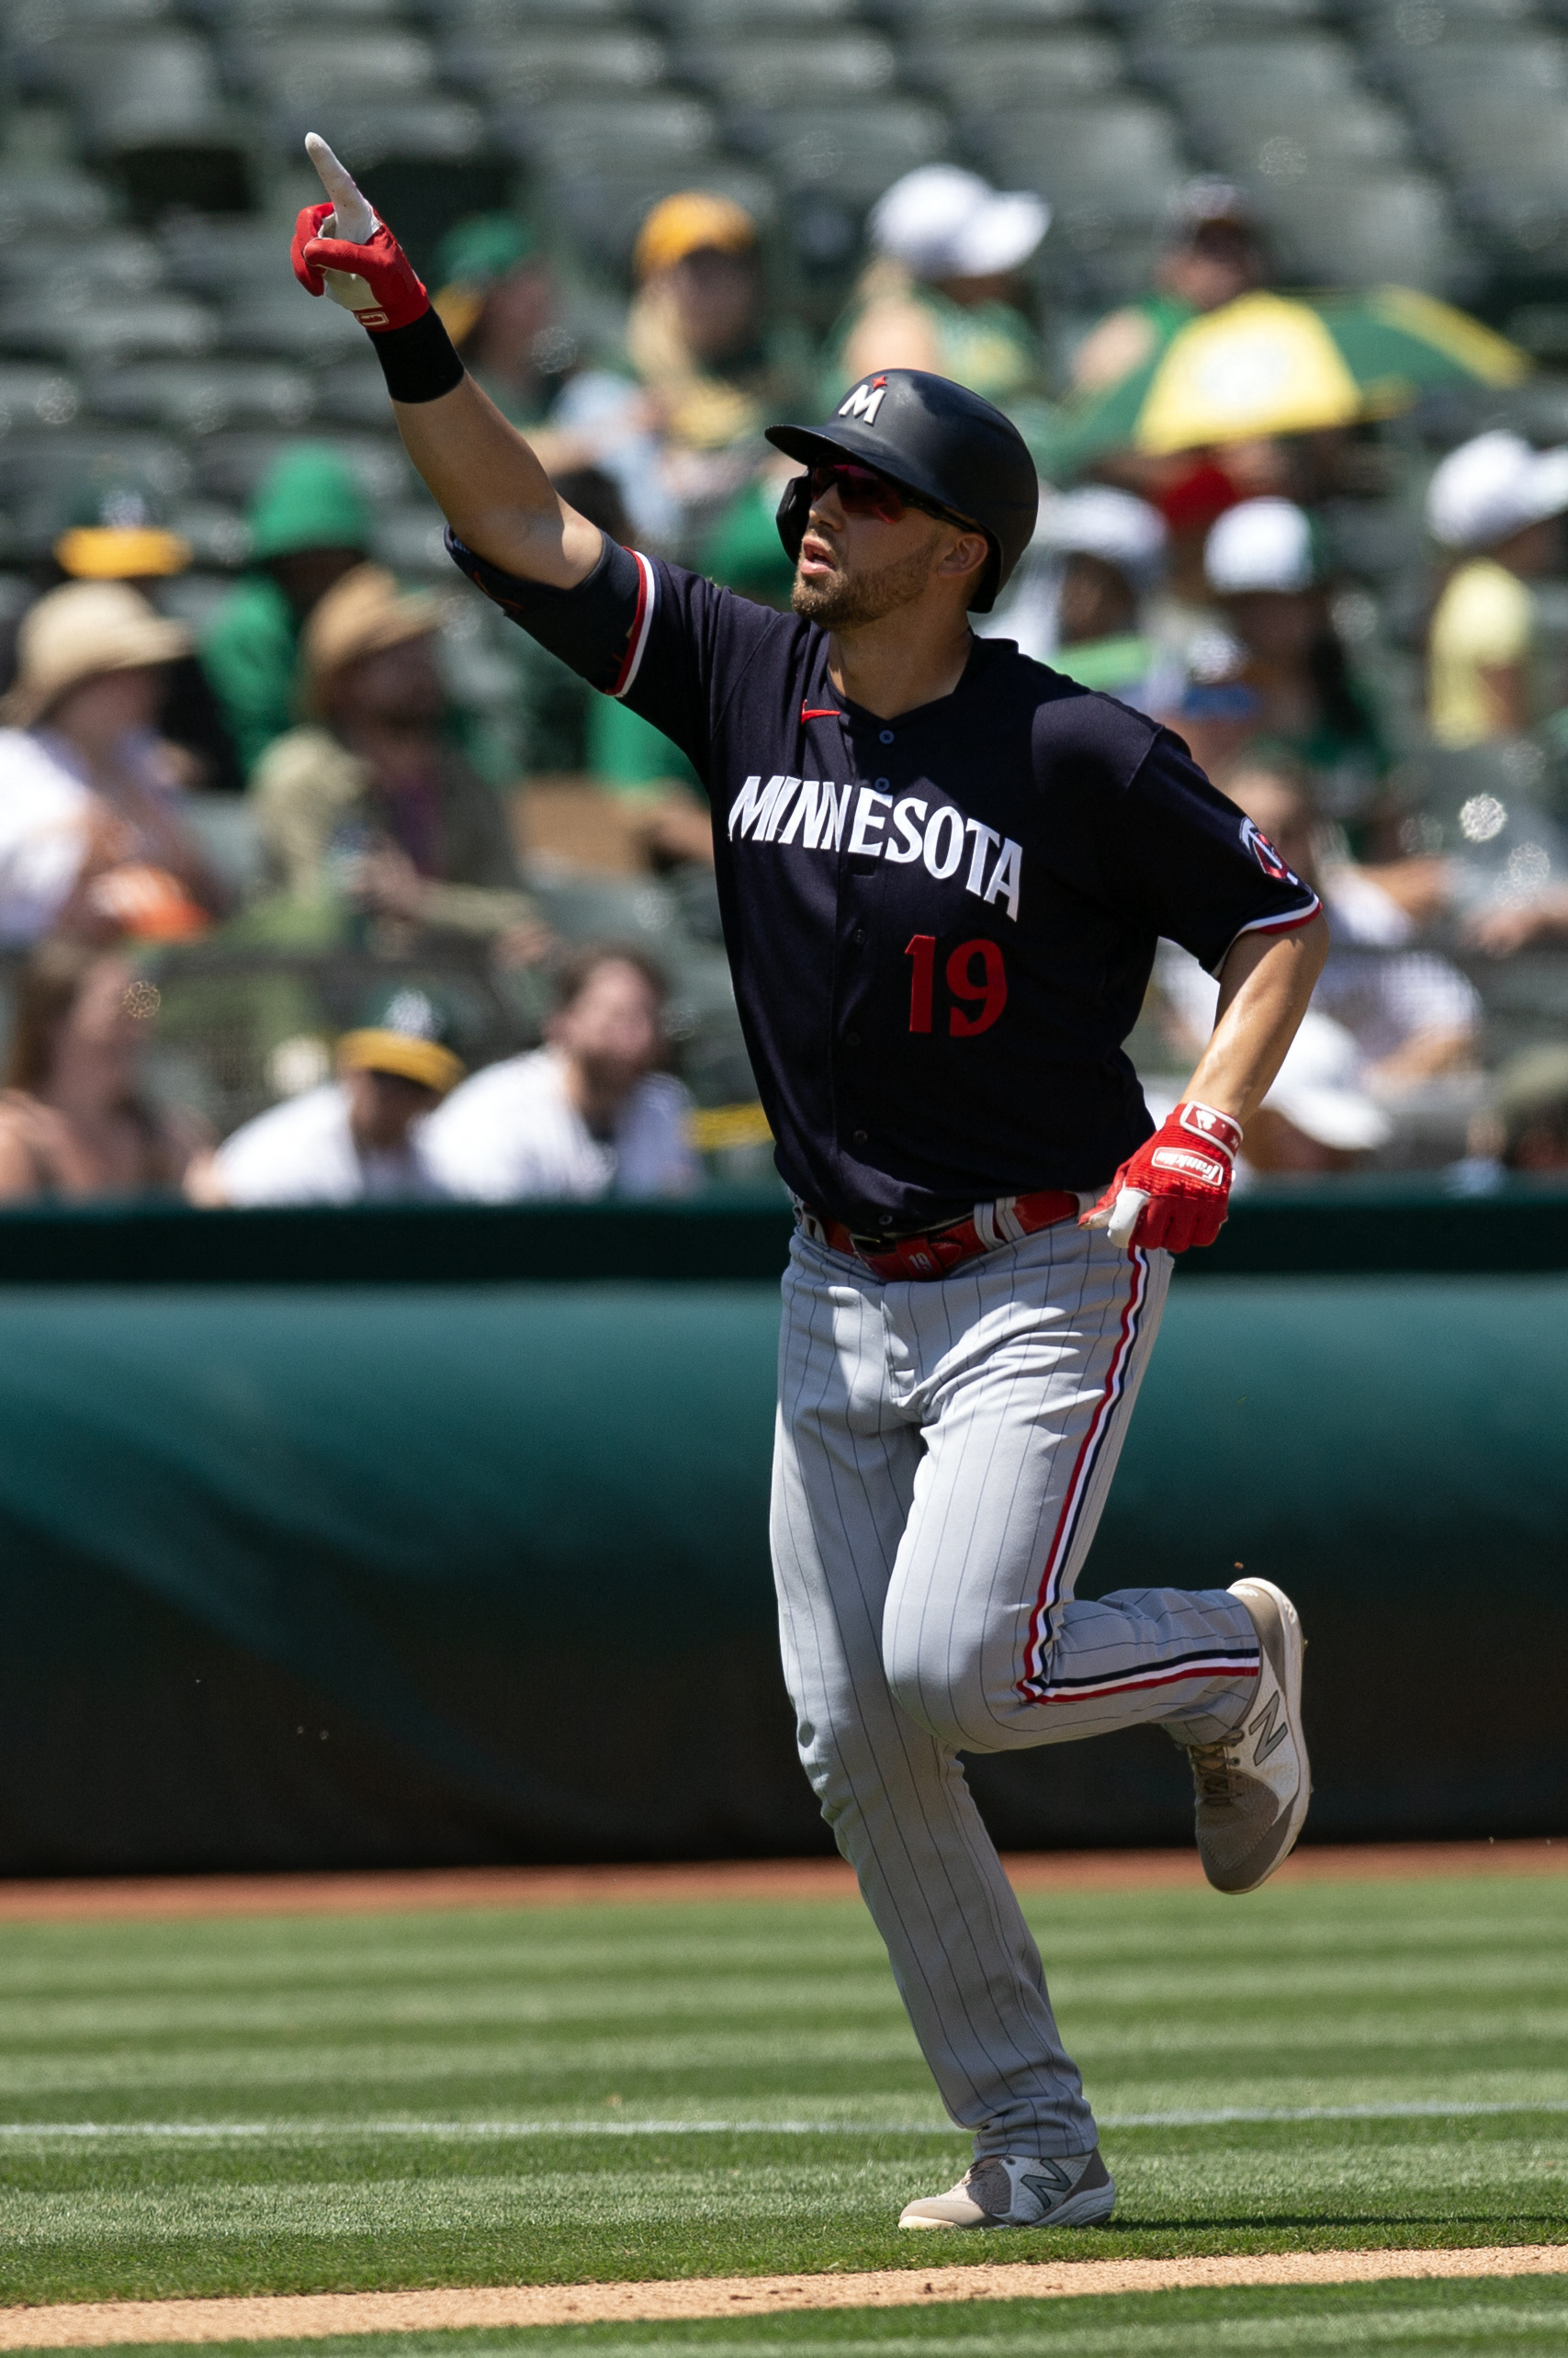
pixel 1124 1213
pixel 352 218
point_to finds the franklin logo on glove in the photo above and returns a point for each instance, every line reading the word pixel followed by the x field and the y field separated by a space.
pixel 1173 1193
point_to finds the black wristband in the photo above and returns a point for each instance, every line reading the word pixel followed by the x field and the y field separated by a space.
pixel 418 362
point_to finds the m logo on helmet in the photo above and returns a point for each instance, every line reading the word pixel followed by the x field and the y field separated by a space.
pixel 865 401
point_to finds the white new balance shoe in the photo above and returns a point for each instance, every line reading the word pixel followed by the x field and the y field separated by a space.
pixel 1021 2190
pixel 1255 1784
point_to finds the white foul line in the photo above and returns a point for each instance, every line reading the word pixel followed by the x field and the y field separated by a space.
pixel 1222 2117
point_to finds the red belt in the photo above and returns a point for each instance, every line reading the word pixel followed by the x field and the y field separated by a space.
pixel 988 1226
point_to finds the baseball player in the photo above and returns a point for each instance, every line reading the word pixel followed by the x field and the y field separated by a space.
pixel 943 870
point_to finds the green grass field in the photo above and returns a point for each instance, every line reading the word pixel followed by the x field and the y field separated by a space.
pixel 575 2093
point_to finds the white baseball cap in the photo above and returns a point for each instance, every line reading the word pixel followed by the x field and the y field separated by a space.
pixel 1097 521
pixel 946 223
pixel 1314 1089
pixel 1492 486
pixel 1261 545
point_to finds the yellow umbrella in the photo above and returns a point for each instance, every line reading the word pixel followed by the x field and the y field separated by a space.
pixel 1271 363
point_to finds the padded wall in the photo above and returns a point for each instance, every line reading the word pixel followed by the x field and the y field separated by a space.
pixel 305 1577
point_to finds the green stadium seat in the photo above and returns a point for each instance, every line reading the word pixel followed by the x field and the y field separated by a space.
pixel 58 322
pixel 770 68
pixel 277 322
pixel 203 397
pixel 1016 69
pixel 228 466
pixel 850 151
pixel 1116 158
pixel 609 131
pixel 536 63
pixel 35 395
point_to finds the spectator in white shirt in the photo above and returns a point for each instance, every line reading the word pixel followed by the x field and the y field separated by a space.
pixel 1412 1014
pixel 360 1139
pixel 588 1114
pixel 92 840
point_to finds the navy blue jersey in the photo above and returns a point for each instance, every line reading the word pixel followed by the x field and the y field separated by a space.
pixel 941 927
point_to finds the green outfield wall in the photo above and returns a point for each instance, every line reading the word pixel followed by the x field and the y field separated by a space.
pixel 402 1566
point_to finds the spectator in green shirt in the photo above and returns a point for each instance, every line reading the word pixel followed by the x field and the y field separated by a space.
pixel 310 525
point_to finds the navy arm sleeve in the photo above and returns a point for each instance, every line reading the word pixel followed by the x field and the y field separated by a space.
pixel 1201 870
pixel 661 639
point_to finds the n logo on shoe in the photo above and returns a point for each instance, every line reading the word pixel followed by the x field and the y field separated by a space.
pixel 1269 1729
pixel 1047 2182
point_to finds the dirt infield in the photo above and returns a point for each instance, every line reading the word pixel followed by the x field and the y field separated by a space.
pixel 102 2324
pixel 386 1891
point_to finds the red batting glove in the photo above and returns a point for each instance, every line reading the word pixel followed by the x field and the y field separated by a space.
pixel 1175 1191
pixel 382 264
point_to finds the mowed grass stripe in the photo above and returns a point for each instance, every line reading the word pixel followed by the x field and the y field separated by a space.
pixel 718 2110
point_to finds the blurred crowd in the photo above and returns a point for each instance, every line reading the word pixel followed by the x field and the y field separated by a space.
pixel 309 775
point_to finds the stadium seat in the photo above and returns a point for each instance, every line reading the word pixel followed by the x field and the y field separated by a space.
pixel 114 261
pixel 580 135
pixel 203 397
pixel 218 255
pixel 127 92
pixel 1118 156
pixel 301 61
pixel 353 392
pixel 949 20
pixel 844 149
pixel 535 64
pixel 54 196
pixel 217 533
pixel 32 395
pixel 228 466
pixel 60 322
pixel 1525 59
pixel 1015 70
pixel 265 17
pixel 428 126
pixel 277 321
pixel 1308 69
pixel 695 18
pixel 1286 142
pixel 1193 21
pixel 498 19
pixel 770 68
pixel 1344 230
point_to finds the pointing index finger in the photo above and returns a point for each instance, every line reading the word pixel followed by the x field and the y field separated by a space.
pixel 352 218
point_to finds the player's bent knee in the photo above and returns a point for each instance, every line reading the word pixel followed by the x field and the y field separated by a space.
pixel 945 1698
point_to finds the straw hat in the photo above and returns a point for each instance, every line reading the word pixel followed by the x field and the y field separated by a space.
pixel 79 631
pixel 362 614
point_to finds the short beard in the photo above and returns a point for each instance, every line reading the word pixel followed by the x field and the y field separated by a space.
pixel 847 601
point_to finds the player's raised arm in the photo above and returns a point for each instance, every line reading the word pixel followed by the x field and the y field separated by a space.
pixel 486 480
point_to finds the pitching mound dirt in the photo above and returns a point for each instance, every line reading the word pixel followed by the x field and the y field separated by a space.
pixel 102 2324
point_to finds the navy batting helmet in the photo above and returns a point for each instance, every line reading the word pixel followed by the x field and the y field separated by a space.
pixel 936 439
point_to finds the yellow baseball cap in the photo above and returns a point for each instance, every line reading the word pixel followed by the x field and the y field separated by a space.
pixel 683 224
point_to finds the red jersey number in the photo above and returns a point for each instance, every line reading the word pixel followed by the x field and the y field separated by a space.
pixel 976 979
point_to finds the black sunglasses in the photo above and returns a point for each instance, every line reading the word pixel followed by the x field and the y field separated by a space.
pixel 863 492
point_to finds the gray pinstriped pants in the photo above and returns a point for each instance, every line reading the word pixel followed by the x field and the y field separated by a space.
pixel 943 1454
